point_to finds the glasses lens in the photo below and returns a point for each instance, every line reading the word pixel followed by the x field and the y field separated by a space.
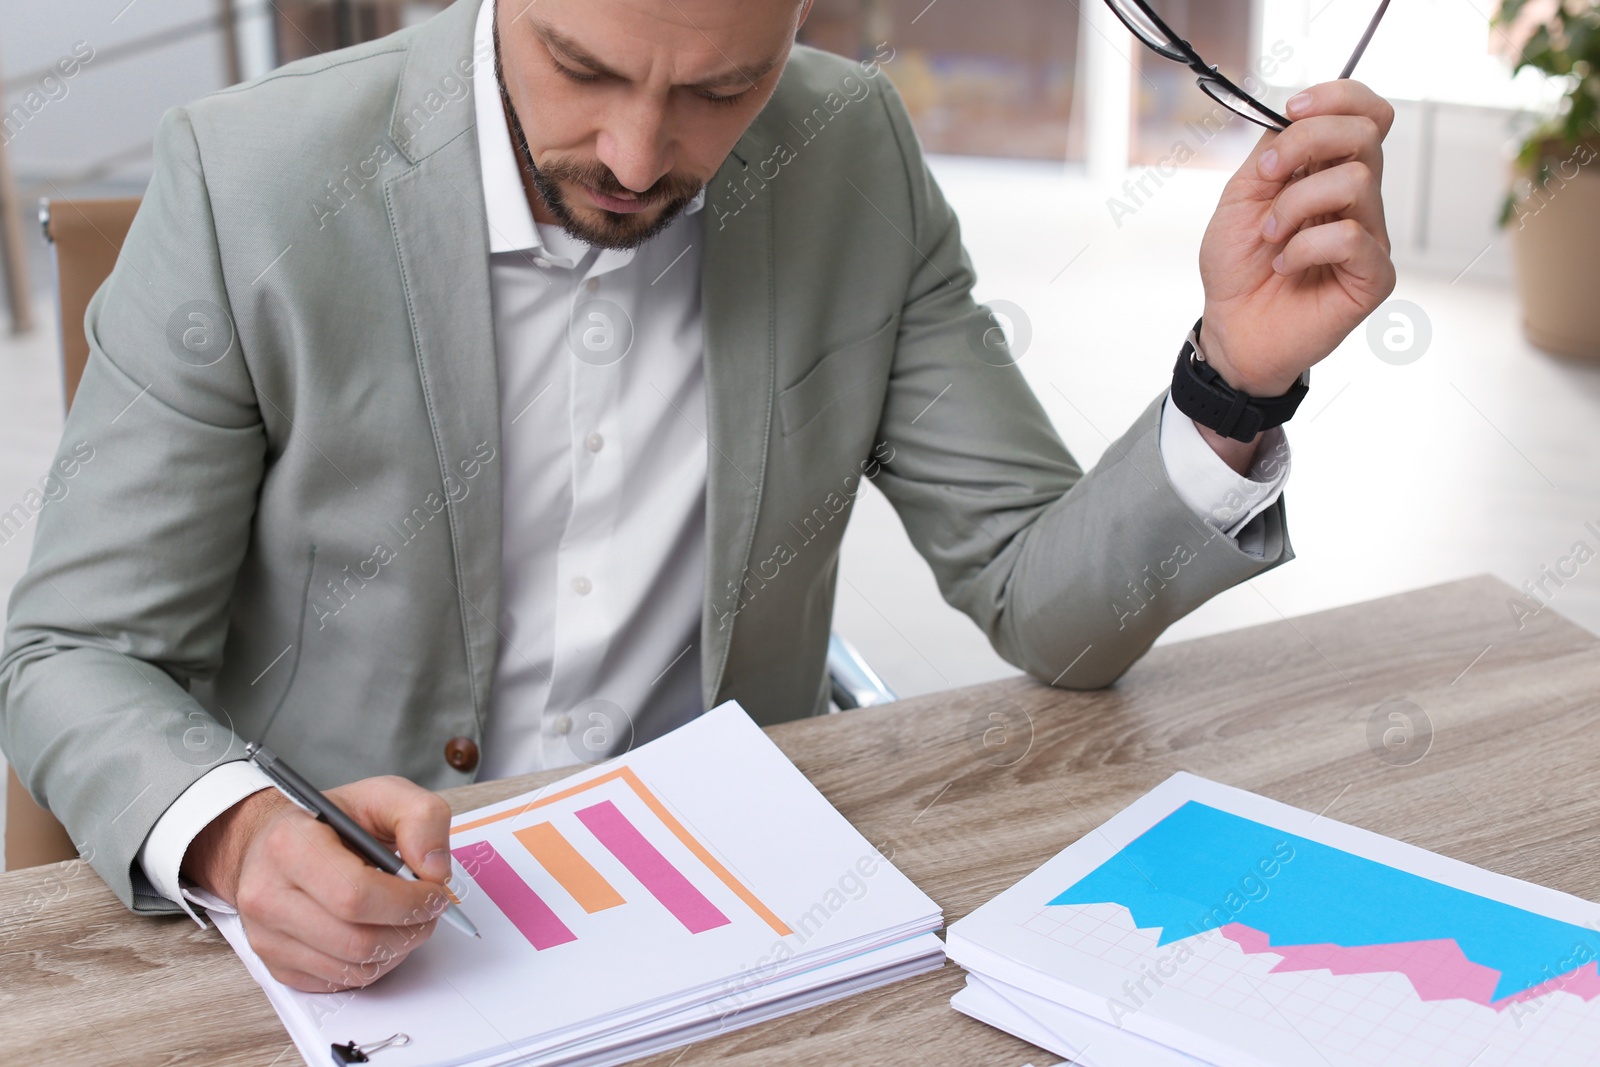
pixel 1138 20
pixel 1240 104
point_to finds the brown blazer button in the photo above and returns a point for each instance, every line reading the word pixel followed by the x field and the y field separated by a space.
pixel 461 753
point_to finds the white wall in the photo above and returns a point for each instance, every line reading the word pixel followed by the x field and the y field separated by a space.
pixel 1446 173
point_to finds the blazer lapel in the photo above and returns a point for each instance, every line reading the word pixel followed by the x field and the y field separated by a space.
pixel 437 214
pixel 736 301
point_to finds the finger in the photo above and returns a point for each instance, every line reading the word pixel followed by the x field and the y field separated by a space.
pixel 295 963
pixel 1342 97
pixel 1343 243
pixel 1349 190
pixel 414 819
pixel 299 980
pixel 292 912
pixel 1320 140
pixel 313 858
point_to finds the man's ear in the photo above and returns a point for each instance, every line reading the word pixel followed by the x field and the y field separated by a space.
pixel 805 9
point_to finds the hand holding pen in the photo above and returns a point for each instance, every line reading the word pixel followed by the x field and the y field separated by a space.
pixel 320 916
pixel 352 833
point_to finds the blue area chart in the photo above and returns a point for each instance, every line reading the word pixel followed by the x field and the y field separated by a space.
pixel 1317 906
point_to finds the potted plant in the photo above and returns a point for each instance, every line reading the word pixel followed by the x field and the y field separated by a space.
pixel 1553 207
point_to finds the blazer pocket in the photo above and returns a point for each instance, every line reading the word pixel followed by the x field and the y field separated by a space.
pixel 842 371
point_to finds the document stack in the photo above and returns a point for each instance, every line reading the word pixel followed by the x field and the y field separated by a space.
pixel 695 885
pixel 1205 924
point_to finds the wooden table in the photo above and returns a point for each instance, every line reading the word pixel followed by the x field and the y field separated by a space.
pixel 971 790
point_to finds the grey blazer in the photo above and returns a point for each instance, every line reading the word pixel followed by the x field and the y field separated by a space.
pixel 290 406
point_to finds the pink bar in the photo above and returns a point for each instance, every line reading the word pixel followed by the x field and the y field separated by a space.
pixel 655 872
pixel 503 885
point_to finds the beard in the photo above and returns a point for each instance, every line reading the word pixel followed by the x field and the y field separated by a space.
pixel 611 229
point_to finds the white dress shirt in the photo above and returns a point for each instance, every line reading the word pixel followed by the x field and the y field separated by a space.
pixel 602 420
pixel 603 430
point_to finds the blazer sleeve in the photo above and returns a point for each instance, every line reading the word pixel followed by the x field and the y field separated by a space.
pixel 1071 576
pixel 125 599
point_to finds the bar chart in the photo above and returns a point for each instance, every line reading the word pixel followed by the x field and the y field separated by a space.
pixel 593 827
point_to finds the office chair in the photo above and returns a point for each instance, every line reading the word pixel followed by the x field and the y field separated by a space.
pixel 85 237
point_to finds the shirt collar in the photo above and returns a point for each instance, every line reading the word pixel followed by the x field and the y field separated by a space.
pixel 511 227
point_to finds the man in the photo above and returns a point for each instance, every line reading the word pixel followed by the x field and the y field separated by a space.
pixel 447 425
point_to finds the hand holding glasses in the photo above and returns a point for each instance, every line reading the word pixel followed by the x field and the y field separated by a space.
pixel 1146 25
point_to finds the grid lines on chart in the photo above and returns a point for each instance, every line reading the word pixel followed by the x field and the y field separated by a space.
pixel 1374 1018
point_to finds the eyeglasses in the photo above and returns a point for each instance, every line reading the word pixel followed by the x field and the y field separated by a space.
pixel 1146 25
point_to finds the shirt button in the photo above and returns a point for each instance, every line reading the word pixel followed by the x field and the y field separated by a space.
pixel 461 753
pixel 540 261
pixel 582 585
pixel 592 284
pixel 563 724
pixel 594 442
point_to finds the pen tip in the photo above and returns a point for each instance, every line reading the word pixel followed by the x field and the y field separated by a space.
pixel 477 935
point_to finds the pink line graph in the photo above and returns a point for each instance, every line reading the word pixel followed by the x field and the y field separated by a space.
pixel 514 897
pixel 1437 970
pixel 655 872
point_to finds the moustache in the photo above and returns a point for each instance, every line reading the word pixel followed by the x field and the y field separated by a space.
pixel 596 175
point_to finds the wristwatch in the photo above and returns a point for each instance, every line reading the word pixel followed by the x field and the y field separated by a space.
pixel 1202 394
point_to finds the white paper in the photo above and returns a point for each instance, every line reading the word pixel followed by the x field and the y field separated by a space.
pixel 780 857
pixel 1238 1008
pixel 1082 1039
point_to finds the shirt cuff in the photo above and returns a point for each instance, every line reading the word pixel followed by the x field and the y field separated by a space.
pixel 1214 491
pixel 219 789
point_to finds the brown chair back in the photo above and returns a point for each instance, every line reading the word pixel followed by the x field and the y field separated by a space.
pixel 86 236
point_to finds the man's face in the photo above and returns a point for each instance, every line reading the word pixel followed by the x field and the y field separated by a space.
pixel 630 106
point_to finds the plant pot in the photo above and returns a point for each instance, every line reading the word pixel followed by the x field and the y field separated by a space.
pixel 1555 237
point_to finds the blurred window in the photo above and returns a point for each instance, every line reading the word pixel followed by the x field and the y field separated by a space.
pixel 990 78
pixel 1172 119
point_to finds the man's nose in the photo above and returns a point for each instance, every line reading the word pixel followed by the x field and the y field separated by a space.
pixel 635 142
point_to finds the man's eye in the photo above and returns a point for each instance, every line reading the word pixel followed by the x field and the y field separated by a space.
pixel 725 100
pixel 577 76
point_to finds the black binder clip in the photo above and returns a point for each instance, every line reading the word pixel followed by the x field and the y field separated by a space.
pixel 350 1052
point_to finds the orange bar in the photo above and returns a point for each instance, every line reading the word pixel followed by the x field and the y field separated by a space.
pixel 576 874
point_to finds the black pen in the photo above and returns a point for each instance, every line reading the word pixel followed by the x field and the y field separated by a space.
pixel 306 795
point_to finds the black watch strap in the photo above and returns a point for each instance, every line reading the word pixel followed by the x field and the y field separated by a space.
pixel 1202 394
